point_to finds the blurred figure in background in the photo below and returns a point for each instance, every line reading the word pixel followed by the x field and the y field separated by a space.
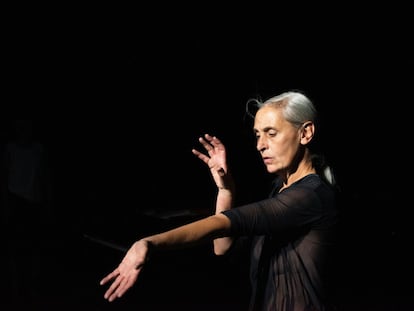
pixel 27 207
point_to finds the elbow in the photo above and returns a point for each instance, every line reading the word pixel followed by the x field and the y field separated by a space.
pixel 222 242
pixel 219 251
pixel 221 246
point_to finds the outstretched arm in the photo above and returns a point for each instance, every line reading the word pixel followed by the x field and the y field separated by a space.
pixel 216 160
pixel 126 274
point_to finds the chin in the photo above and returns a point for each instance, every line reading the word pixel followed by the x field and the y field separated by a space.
pixel 271 170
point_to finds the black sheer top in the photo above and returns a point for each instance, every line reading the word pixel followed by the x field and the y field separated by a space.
pixel 291 234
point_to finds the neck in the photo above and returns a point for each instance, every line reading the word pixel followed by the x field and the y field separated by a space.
pixel 304 168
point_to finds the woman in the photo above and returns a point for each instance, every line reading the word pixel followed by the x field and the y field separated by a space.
pixel 290 233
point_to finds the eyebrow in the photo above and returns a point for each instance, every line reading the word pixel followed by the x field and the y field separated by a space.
pixel 266 129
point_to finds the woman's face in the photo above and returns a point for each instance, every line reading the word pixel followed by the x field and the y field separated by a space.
pixel 278 141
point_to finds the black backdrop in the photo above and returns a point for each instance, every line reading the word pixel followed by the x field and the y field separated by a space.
pixel 121 95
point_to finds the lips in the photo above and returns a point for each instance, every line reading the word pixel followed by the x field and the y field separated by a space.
pixel 267 160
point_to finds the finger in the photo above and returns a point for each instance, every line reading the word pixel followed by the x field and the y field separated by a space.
pixel 123 286
pixel 126 285
pixel 212 141
pixel 208 137
pixel 201 156
pixel 112 297
pixel 205 144
pixel 215 142
pixel 128 282
pixel 109 277
pixel 196 152
pixel 111 293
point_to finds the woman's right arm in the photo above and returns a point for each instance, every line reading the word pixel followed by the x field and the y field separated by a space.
pixel 217 163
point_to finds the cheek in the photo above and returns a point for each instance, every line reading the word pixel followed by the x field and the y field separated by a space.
pixel 280 147
pixel 286 151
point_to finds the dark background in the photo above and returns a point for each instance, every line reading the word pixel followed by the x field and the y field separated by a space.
pixel 120 95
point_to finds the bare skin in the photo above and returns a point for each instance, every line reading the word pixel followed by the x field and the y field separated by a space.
pixel 216 160
pixel 126 274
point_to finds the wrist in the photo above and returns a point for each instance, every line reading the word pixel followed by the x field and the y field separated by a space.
pixel 225 190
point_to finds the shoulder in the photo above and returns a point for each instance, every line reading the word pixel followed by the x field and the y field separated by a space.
pixel 313 182
pixel 310 189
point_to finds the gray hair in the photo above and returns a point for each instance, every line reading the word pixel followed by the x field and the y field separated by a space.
pixel 297 107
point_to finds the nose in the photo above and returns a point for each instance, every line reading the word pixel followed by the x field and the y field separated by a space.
pixel 260 144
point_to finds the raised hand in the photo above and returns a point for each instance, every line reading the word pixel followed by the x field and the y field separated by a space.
pixel 216 160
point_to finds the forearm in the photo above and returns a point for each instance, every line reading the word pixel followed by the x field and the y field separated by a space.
pixel 224 202
pixel 196 232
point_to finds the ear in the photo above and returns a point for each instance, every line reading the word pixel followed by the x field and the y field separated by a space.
pixel 307 133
